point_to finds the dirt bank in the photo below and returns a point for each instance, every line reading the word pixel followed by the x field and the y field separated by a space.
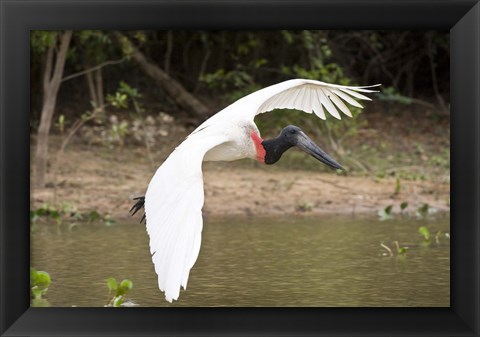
pixel 106 180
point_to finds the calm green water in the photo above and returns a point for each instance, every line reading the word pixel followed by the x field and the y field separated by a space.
pixel 292 261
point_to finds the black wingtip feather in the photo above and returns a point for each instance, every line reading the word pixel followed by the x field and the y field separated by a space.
pixel 137 206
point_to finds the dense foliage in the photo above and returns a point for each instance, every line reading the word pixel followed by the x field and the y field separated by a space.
pixel 119 88
pixel 220 66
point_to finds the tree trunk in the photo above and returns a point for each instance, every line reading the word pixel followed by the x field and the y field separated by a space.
pixel 91 88
pixel 51 85
pixel 168 52
pixel 99 81
pixel 95 88
pixel 174 89
pixel 444 110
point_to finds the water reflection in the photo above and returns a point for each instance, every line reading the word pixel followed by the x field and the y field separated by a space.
pixel 262 262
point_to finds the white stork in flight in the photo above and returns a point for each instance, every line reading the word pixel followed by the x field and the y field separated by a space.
pixel 174 198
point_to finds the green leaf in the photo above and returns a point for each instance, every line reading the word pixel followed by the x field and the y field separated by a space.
pixel 386 213
pixel 112 284
pixel 41 211
pixel 55 215
pixel 424 232
pixel 118 100
pixel 93 216
pixel 126 89
pixel 40 40
pixel 61 123
pixel 403 205
pixel 402 250
pixel 422 211
pixel 126 284
pixel 42 279
pixel 33 273
pixel 388 209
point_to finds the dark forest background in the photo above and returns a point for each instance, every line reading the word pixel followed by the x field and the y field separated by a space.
pixel 111 81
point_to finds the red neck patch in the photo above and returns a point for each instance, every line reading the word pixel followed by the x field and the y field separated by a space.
pixel 258 146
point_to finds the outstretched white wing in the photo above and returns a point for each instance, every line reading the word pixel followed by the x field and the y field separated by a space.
pixel 302 94
pixel 174 197
pixel 173 209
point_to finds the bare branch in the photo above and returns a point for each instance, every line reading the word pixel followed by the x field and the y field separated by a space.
pixel 101 65
pixel 172 87
pixel 387 249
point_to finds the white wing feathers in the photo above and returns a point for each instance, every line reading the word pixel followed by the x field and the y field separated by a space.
pixel 302 94
pixel 306 95
pixel 174 198
pixel 173 208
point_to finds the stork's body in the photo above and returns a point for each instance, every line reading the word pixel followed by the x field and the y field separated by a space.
pixel 239 144
pixel 175 196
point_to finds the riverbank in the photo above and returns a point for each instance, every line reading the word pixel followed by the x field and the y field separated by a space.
pixel 106 180
pixel 397 155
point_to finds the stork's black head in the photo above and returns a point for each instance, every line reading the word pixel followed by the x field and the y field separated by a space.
pixel 293 136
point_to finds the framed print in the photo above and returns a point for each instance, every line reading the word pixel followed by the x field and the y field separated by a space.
pixel 452 310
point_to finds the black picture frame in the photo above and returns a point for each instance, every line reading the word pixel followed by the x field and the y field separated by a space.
pixel 18 17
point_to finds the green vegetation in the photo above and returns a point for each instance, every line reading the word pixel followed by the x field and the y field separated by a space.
pixel 67 213
pixel 41 280
pixel 423 231
pixel 423 212
pixel 427 236
pixel 142 92
pixel 402 250
pixel 208 70
pixel 399 250
pixel 118 291
pixel 386 213
pixel 304 206
pixel 39 283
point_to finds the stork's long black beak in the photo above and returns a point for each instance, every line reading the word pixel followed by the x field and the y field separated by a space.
pixel 307 145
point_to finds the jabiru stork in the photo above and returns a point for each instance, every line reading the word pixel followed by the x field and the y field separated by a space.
pixel 174 198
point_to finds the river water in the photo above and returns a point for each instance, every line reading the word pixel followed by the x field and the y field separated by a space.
pixel 292 261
